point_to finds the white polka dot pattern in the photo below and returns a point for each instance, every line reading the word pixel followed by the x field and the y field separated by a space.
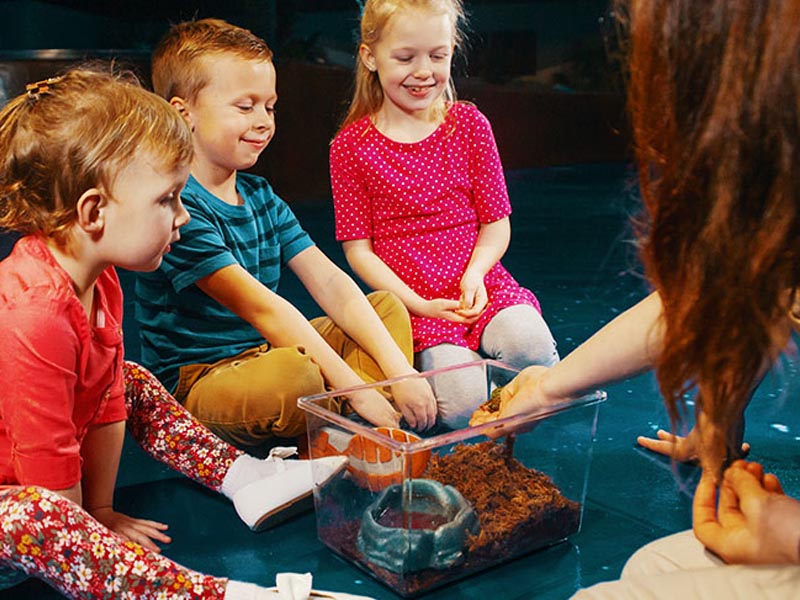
pixel 422 204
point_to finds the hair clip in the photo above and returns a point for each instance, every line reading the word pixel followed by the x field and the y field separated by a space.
pixel 34 90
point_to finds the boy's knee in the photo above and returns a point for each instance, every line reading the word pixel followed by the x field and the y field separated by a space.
pixel 394 315
pixel 390 309
pixel 677 551
pixel 454 419
pixel 248 403
pixel 386 300
pixel 274 411
pixel 298 375
pixel 305 380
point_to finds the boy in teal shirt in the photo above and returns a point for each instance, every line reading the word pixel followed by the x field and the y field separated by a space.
pixel 213 327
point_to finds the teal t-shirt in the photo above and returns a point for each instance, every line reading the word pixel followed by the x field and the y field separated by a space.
pixel 181 325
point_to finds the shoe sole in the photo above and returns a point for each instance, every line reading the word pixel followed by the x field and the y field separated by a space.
pixel 296 507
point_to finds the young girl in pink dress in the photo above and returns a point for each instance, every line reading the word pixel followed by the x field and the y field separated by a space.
pixel 421 202
pixel 91 167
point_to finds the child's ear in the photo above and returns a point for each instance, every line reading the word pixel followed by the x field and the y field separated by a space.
pixel 367 57
pixel 89 211
pixel 180 105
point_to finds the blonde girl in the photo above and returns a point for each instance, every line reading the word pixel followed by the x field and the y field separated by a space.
pixel 421 202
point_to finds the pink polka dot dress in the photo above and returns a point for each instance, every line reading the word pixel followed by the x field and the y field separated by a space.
pixel 422 204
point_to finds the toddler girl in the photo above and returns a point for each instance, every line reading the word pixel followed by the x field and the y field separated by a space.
pixel 421 202
pixel 91 167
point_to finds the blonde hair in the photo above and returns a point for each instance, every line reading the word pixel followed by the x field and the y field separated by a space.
pixel 368 94
pixel 70 133
pixel 177 65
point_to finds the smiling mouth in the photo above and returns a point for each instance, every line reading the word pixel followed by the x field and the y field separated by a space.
pixel 420 89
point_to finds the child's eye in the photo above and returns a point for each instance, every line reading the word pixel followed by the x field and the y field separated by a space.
pixel 403 59
pixel 439 57
pixel 167 200
pixel 270 110
pixel 245 107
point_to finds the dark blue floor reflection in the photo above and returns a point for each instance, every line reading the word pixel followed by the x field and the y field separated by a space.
pixel 571 244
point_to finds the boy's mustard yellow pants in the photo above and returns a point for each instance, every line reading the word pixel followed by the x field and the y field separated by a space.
pixel 251 398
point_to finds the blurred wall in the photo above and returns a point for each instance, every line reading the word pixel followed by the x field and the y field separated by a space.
pixel 535 123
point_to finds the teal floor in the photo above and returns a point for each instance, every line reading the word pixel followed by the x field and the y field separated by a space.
pixel 571 245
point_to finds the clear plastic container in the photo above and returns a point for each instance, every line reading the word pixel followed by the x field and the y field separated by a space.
pixel 419 510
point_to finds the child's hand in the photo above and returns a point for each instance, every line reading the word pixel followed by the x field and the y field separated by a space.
pixel 141 531
pixel 473 296
pixel 415 399
pixel 374 408
pixel 441 308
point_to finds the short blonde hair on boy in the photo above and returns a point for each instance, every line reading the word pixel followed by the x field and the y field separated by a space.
pixel 71 133
pixel 177 68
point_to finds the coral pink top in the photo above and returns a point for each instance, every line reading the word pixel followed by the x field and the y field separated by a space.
pixel 61 374
pixel 422 205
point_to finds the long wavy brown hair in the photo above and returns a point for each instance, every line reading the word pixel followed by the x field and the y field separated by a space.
pixel 714 98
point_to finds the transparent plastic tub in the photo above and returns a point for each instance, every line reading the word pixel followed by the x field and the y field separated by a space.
pixel 420 510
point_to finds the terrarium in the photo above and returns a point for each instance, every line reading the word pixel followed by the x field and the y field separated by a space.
pixel 417 510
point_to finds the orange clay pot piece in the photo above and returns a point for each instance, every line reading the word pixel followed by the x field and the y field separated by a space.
pixel 372 465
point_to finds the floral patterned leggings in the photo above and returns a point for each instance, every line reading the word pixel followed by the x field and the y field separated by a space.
pixel 49 537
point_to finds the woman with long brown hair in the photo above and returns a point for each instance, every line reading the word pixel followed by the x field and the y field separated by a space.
pixel 714 98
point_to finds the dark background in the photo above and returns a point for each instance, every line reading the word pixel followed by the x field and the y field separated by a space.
pixel 542 71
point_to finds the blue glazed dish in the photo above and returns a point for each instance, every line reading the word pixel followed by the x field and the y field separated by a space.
pixel 416 525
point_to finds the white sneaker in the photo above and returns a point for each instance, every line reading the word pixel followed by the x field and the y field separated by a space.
pixel 272 500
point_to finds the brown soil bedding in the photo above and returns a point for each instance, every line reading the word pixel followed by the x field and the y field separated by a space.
pixel 519 509
pixel 511 500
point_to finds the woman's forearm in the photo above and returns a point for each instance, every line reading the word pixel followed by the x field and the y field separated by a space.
pixel 626 346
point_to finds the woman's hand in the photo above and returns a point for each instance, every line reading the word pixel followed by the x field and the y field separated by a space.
pixel 414 397
pixel 680 448
pixel 523 394
pixel 373 407
pixel 141 531
pixel 752 522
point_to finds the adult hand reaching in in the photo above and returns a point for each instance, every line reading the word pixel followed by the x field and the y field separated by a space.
pixel 680 448
pixel 752 522
pixel 523 394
